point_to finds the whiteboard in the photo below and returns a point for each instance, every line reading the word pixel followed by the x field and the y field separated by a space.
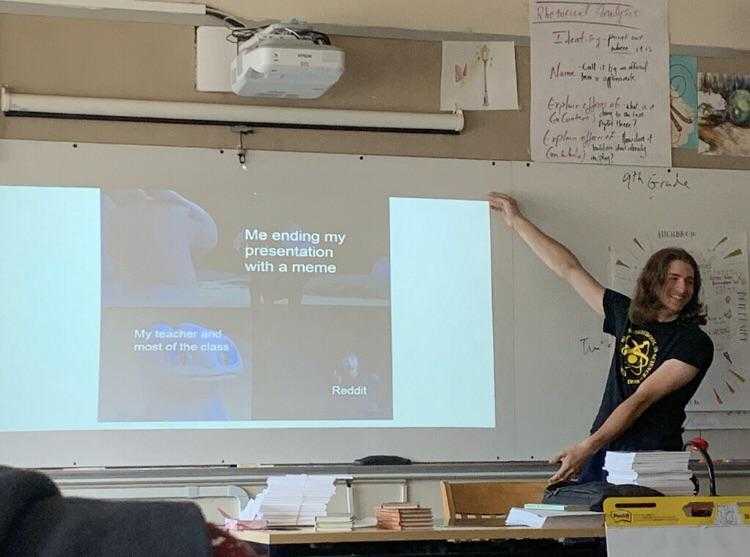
pixel 548 381
pixel 595 211
pixel 311 181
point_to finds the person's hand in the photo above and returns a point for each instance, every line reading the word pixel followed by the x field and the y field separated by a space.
pixel 507 206
pixel 571 460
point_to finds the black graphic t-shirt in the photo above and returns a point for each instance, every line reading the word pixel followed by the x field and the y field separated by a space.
pixel 639 351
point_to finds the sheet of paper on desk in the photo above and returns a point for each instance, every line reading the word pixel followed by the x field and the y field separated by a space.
pixel 251 509
pixel 537 518
pixel 232 523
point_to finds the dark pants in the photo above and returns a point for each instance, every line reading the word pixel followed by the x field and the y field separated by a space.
pixel 593 470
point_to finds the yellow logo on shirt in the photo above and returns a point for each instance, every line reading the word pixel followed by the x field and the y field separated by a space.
pixel 638 349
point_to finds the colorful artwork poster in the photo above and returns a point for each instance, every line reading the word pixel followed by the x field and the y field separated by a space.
pixel 683 101
pixel 724 114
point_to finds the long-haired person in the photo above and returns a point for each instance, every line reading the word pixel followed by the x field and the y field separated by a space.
pixel 661 354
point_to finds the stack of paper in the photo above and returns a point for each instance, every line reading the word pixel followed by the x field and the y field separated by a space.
pixel 334 523
pixel 538 518
pixel 664 471
pixel 291 500
pixel 403 516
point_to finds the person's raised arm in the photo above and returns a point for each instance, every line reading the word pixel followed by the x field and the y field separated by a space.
pixel 555 255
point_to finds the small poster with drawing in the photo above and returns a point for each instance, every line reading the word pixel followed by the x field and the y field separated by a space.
pixel 478 76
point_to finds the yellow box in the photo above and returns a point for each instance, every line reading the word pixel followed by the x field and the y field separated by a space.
pixel 626 512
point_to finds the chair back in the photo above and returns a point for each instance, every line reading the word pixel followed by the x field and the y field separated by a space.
pixel 486 503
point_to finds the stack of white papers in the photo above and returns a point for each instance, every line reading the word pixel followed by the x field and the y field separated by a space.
pixel 291 500
pixel 538 518
pixel 664 471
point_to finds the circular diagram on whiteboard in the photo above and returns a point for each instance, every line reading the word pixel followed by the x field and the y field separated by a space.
pixel 723 263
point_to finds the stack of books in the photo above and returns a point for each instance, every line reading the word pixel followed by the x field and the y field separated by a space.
pixel 403 516
pixel 334 523
pixel 665 471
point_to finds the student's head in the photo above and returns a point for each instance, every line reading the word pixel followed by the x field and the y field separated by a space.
pixel 667 289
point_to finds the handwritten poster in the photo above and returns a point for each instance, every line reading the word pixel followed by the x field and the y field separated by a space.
pixel 600 82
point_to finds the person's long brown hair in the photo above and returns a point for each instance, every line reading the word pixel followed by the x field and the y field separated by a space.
pixel 645 306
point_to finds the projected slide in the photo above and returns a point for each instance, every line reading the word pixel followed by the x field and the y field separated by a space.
pixel 197 310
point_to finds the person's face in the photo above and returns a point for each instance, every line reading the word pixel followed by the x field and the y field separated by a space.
pixel 677 290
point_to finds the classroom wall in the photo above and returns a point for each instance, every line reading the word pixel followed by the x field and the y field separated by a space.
pixel 687 18
pixel 156 61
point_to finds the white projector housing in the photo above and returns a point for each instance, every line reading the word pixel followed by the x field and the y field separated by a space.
pixel 285 68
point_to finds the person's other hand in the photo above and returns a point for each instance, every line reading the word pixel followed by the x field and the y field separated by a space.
pixel 571 460
pixel 507 206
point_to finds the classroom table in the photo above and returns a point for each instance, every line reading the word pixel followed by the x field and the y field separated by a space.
pixel 443 541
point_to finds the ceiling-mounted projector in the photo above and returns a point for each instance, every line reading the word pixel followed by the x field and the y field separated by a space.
pixel 286 61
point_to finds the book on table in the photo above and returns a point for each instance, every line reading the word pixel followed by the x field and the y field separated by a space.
pixel 340 522
pixel 556 507
pixel 403 516
pixel 403 527
pixel 538 518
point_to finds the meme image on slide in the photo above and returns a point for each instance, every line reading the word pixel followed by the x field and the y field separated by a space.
pixel 306 302
pixel 262 308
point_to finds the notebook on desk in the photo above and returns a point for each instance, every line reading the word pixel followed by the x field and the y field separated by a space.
pixel 538 518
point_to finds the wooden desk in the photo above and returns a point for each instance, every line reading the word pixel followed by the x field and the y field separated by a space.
pixel 299 542
pixel 458 533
